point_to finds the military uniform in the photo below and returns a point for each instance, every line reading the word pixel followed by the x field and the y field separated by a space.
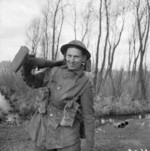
pixel 70 94
pixel 64 85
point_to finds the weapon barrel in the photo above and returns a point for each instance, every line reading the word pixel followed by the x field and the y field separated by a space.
pixel 43 63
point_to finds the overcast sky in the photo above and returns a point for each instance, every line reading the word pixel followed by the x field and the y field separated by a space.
pixel 15 16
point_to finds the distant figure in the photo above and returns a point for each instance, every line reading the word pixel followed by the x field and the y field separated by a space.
pixel 69 99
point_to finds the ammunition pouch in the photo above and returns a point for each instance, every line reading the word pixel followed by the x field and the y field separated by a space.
pixel 69 113
pixel 63 117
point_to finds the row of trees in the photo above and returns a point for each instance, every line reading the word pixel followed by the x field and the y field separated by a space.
pixel 101 25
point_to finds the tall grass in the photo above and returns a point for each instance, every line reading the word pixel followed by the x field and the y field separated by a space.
pixel 121 95
pixel 21 98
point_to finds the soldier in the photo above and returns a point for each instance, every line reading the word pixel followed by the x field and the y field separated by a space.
pixel 70 98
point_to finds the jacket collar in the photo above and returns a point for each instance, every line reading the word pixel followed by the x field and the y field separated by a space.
pixel 77 72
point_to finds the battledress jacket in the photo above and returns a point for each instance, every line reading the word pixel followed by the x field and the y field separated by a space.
pixel 65 84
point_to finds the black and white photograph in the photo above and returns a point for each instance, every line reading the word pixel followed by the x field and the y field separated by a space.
pixel 74 75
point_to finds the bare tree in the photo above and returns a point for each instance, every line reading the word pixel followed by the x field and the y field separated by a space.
pixel 143 38
pixel 106 4
pixel 112 49
pixel 98 44
pixel 43 48
pixel 86 21
pixel 34 34
pixel 53 19
pixel 132 51
pixel 142 13
pixel 74 17
pixel 130 55
pixel 108 16
pixel 45 28
pixel 60 31
pixel 55 14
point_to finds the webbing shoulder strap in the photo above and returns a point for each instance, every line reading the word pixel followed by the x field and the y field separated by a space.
pixel 85 85
pixel 54 71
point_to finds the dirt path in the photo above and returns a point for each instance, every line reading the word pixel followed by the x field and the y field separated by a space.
pixel 135 136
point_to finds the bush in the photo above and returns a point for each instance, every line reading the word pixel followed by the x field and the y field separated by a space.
pixel 20 97
pixel 123 105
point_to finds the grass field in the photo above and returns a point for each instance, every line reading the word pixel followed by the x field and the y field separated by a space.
pixel 134 137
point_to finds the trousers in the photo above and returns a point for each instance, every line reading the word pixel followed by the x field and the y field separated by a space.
pixel 75 147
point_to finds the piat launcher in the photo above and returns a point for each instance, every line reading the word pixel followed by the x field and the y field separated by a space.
pixel 23 57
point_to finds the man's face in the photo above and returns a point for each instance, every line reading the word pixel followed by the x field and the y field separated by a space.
pixel 74 58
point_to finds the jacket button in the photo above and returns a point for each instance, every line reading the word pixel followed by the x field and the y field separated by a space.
pixel 51 114
pixel 59 87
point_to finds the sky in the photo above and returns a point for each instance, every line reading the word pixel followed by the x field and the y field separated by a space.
pixel 15 17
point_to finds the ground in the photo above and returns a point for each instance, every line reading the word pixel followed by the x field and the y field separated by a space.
pixel 134 137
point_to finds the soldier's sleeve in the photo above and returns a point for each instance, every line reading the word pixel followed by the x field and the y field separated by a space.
pixel 88 116
pixel 32 80
pixel 37 80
